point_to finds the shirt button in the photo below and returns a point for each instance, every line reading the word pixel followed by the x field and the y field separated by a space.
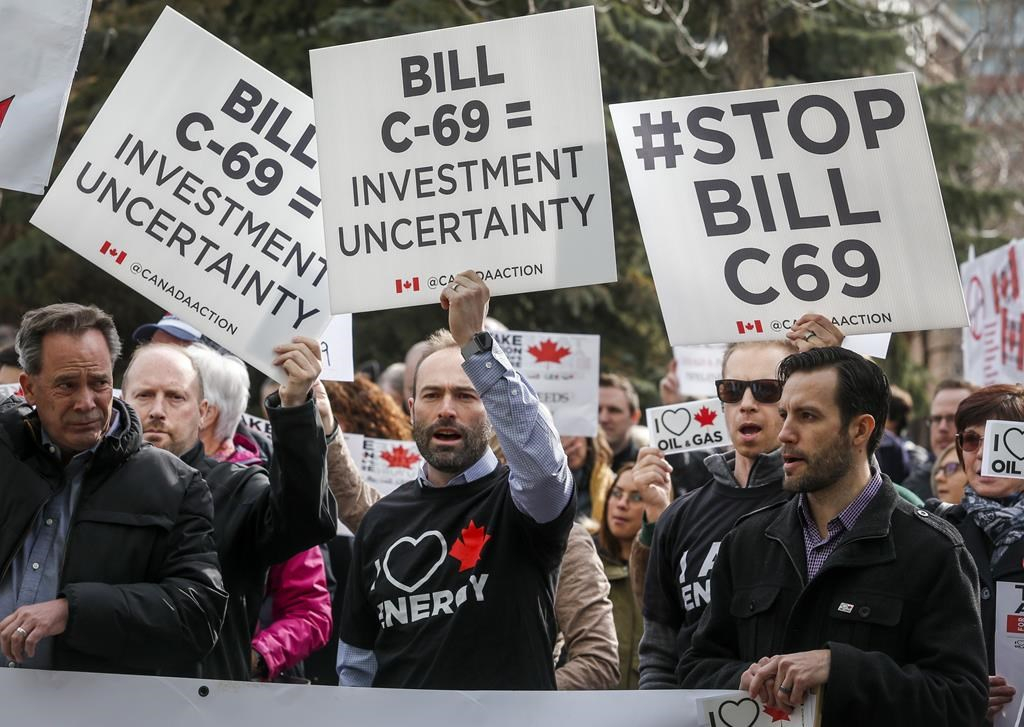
pixel 12 665
pixel 985 593
pixel 751 607
pixel 488 365
pixel 864 611
pixel 49 521
pixel 35 566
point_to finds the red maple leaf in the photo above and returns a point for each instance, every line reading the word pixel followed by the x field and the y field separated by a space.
pixel 705 417
pixel 400 457
pixel 777 714
pixel 549 351
pixel 467 548
pixel 4 105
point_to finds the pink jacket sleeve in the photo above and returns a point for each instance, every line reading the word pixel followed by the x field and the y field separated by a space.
pixel 301 611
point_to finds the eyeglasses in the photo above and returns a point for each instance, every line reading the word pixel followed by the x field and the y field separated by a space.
pixel 949 469
pixel 618 493
pixel 766 391
pixel 969 441
pixel 937 419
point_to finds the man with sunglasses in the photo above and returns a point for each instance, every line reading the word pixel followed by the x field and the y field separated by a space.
pixel 687 537
pixel 846 586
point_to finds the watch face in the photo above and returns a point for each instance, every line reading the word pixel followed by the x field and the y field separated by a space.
pixel 483 340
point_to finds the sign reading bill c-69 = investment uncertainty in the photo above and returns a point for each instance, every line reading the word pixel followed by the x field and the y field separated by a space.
pixel 758 206
pixel 197 186
pixel 478 147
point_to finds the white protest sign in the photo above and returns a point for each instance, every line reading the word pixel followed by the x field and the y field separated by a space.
pixel 478 147
pixel 698 367
pixel 682 427
pixel 758 206
pixel 993 344
pixel 197 186
pixel 38 697
pixel 256 423
pixel 740 710
pixel 1009 648
pixel 563 368
pixel 39 47
pixel 10 390
pixel 1004 449
pixel 387 463
pixel 336 349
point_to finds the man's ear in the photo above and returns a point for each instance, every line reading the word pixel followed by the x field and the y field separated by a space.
pixel 635 416
pixel 27 388
pixel 208 414
pixel 412 412
pixel 861 428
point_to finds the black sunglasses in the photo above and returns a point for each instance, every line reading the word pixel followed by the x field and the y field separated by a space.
pixel 766 391
pixel 969 441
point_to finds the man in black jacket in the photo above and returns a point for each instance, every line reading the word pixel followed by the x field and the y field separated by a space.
pixel 259 519
pixel 848 586
pixel 107 560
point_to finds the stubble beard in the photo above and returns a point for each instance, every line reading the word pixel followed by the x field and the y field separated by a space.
pixel 823 470
pixel 456 457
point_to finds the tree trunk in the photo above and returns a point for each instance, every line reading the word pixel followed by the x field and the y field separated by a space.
pixel 746 32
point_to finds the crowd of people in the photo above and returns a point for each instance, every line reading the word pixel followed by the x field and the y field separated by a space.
pixel 822 550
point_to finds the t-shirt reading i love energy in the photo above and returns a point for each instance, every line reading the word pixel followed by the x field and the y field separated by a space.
pixel 453 588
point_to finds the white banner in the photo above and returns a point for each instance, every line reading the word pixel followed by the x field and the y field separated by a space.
pixel 1009 648
pixel 759 206
pixel 197 186
pixel 563 368
pixel 39 47
pixel 386 463
pixel 682 427
pixel 69 699
pixel 478 147
pixel 993 345
pixel 698 368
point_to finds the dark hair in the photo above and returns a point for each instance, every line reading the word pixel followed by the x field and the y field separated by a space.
pixel 620 382
pixel 999 401
pixel 862 386
pixel 946 384
pixel 70 318
pixel 900 406
pixel 605 540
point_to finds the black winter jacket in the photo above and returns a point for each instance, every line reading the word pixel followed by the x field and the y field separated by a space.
pixel 896 603
pixel 140 572
pixel 261 519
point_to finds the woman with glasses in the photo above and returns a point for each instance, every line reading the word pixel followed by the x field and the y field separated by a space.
pixel 624 507
pixel 948 476
pixel 990 517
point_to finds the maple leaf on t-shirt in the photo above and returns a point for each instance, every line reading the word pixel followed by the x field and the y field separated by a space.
pixel 549 351
pixel 705 417
pixel 777 714
pixel 467 548
pixel 400 457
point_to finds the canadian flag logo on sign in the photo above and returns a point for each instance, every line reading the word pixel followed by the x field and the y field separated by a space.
pixel 749 326
pixel 402 286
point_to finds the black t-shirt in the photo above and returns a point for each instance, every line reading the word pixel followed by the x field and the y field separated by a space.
pixel 685 545
pixel 453 588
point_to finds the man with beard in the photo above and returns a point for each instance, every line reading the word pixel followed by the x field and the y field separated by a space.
pixel 846 586
pixel 453 574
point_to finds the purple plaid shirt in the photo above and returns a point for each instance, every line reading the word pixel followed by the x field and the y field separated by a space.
pixel 818 549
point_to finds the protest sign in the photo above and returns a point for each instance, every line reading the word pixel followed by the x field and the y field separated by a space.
pixel 682 427
pixel 739 709
pixel 39 47
pixel 336 349
pixel 758 206
pixel 698 367
pixel 36 696
pixel 197 186
pixel 478 147
pixel 1004 449
pixel 993 344
pixel 563 368
pixel 1009 648
pixel 387 463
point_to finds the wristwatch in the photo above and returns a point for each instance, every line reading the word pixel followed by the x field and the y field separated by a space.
pixel 480 342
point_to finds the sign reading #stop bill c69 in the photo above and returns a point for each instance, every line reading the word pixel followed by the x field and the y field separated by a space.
pixel 759 206
pixel 479 147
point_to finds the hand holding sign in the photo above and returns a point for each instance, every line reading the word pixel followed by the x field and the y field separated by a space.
pixel 795 676
pixel 300 360
pixel 653 476
pixel 465 299
pixel 812 330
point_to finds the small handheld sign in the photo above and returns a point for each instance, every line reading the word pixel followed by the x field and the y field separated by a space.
pixel 684 427
pixel 1004 449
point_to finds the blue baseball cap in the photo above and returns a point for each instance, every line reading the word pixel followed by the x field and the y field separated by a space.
pixel 169 324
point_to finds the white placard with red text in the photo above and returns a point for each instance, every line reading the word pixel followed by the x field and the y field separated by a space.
pixel 387 463
pixel 196 185
pixel 758 206
pixel 563 368
pixel 739 709
pixel 684 427
pixel 993 344
pixel 475 147
pixel 39 47
pixel 1008 647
